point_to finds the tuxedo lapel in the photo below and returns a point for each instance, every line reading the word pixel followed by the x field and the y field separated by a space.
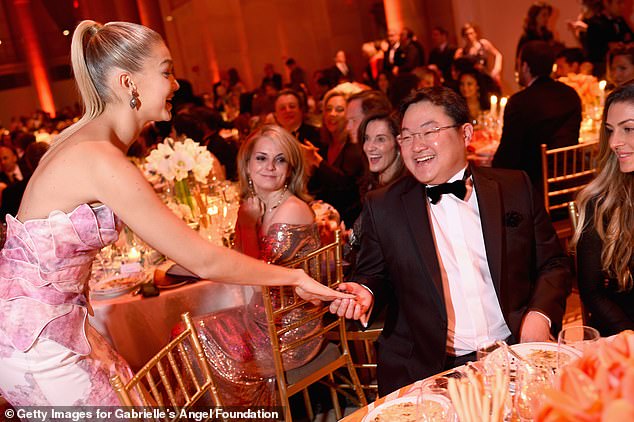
pixel 490 206
pixel 414 203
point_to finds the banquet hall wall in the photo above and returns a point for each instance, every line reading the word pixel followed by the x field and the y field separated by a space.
pixel 207 36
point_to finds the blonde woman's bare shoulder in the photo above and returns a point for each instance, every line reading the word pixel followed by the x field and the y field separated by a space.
pixel 294 211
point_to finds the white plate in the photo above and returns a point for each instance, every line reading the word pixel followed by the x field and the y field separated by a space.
pixel 409 401
pixel 525 350
pixel 117 285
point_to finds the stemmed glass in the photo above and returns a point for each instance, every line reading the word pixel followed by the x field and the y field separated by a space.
pixel 579 337
pixel 432 403
pixel 530 384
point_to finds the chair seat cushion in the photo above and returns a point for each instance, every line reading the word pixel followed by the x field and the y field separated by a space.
pixel 329 354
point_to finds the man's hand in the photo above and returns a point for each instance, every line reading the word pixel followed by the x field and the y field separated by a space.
pixel 353 308
pixel 534 328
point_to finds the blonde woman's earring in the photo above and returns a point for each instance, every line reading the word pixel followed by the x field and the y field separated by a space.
pixel 134 102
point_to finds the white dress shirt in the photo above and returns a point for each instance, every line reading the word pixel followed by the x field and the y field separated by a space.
pixel 473 311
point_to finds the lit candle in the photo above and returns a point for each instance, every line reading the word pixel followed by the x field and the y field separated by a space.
pixel 503 101
pixel 494 105
pixel 134 254
pixel 602 85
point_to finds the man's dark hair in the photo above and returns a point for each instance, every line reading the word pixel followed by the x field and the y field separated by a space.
pixel 442 30
pixel 208 117
pixel 451 102
pixel 572 55
pixel 188 125
pixel 290 61
pixel 372 101
pixel 539 57
pixel 301 99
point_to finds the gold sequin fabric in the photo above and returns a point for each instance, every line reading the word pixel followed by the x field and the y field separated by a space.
pixel 236 340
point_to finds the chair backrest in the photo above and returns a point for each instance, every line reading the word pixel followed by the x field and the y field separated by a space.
pixel 324 265
pixel 178 376
pixel 565 171
pixel 573 214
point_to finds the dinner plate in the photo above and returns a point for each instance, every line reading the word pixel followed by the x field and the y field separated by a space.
pixel 171 285
pixel 117 285
pixel 404 409
pixel 543 353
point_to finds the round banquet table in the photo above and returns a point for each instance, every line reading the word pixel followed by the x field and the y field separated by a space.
pixel 138 327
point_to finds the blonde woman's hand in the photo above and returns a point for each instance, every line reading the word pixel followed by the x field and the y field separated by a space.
pixel 315 292
pixel 251 211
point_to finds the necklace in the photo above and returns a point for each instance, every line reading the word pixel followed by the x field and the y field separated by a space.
pixel 279 201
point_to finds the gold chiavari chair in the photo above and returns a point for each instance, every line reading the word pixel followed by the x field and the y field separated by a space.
pixel 565 171
pixel 325 265
pixel 177 377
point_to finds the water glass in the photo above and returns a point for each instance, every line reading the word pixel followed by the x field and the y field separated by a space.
pixel 530 385
pixel 579 337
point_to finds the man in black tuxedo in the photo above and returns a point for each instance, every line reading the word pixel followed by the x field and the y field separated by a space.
pixel 545 112
pixel 456 269
pixel 442 53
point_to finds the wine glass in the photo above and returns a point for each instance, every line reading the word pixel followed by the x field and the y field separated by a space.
pixel 432 403
pixel 579 337
pixel 530 385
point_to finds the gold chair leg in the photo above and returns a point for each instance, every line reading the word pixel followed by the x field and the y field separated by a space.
pixel 334 397
pixel 308 405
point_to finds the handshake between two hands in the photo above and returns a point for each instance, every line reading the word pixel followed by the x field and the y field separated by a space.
pixel 357 308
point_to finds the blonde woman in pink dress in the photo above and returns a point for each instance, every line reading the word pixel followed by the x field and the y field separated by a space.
pixel 74 203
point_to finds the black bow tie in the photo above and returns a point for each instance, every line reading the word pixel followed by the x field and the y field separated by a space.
pixel 457 188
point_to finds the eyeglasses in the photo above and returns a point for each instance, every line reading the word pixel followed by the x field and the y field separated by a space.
pixel 428 136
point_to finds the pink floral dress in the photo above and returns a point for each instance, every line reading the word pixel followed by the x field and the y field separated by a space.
pixel 49 354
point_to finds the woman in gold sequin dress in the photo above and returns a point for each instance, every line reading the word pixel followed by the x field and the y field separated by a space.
pixel 274 224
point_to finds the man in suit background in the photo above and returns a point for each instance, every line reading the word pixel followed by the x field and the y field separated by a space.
pixel 545 112
pixel 442 53
pixel 455 270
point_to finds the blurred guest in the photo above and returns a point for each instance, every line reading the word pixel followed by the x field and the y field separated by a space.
pixel 458 254
pixel 569 61
pixel 270 75
pixel 427 76
pixel 479 49
pixel 410 53
pixel 621 64
pixel 536 25
pixel 544 112
pixel 605 233
pixel 236 86
pixel 12 195
pixel 276 225
pixel 339 164
pixel 289 113
pixel 187 125
pixel 297 76
pixel 340 72
pixel 11 172
pixel 394 42
pixel 226 150
pixel 442 53
pixel 383 83
pixel 263 100
pixel 604 30
pixel 474 90
pixel 362 104
pixel 374 57
pixel 579 26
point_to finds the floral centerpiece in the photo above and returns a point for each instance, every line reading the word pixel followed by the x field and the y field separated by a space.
pixel 587 87
pixel 599 386
pixel 186 164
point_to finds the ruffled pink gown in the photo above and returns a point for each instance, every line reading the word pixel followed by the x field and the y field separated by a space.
pixel 49 354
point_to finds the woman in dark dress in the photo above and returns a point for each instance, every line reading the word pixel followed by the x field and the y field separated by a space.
pixel 605 233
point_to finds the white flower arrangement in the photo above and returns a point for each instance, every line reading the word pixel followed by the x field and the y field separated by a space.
pixel 175 160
